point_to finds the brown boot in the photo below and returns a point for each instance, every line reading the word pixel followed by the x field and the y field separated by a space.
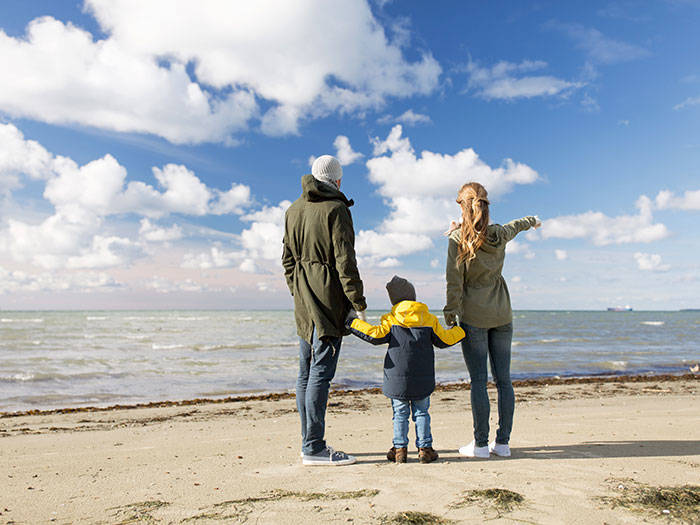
pixel 427 454
pixel 397 455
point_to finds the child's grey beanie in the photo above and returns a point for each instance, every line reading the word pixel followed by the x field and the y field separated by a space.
pixel 327 169
pixel 400 289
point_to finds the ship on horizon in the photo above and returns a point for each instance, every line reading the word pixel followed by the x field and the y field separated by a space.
pixel 626 308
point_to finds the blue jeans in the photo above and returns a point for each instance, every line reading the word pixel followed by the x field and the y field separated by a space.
pixel 317 364
pixel 492 344
pixel 403 409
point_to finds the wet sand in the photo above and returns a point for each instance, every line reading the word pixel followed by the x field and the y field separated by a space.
pixel 575 442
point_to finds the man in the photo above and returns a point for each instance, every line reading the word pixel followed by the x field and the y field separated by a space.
pixel 321 272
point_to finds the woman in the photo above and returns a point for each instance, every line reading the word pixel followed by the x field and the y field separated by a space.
pixel 477 293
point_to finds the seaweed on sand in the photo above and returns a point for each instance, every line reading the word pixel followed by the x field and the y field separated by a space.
pixel 240 508
pixel 413 518
pixel 502 500
pixel 677 503
pixel 138 512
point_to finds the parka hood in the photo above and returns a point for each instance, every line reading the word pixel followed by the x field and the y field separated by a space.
pixel 411 313
pixel 314 190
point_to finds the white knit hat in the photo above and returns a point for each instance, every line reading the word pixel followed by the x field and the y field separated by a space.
pixel 327 169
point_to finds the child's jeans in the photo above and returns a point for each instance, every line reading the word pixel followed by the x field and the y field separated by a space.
pixel 419 410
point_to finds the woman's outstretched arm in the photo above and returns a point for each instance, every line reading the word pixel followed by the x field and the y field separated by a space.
pixel 513 228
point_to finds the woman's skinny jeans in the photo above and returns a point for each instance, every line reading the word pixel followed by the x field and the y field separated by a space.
pixel 482 345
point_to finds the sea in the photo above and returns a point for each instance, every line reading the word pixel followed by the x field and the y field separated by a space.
pixel 62 359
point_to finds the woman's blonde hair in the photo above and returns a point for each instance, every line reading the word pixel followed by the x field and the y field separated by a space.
pixel 473 199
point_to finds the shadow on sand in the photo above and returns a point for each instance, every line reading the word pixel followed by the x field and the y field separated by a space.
pixel 587 449
pixel 611 449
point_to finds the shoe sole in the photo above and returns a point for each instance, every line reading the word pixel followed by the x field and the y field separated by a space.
pixel 465 455
pixel 343 463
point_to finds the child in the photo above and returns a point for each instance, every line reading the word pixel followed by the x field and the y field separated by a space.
pixel 409 365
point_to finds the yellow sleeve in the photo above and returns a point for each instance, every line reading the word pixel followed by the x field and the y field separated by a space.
pixel 375 334
pixel 443 338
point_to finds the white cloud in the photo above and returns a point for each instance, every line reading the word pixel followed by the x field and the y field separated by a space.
pixel 20 157
pixel 604 230
pixel 420 190
pixel 263 239
pixel 136 78
pixel 389 262
pixel 516 279
pixel 370 243
pixel 437 174
pixel 62 75
pixel 434 263
pixel 690 200
pixel 153 233
pixel 260 244
pixel 519 248
pixel 105 252
pixel 20 281
pixel 589 103
pixel 599 48
pixel 344 151
pixel 84 197
pixel 507 80
pixel 688 102
pixel 164 285
pixel 561 255
pixel 214 258
pixel 650 262
pixel 408 117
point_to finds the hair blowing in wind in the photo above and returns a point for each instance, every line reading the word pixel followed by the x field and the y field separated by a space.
pixel 473 199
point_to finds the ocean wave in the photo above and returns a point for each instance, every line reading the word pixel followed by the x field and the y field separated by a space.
pixel 553 340
pixel 516 343
pixel 614 365
pixel 653 323
pixel 96 318
pixel 244 346
pixel 156 346
pixel 47 377
pixel 22 320
pixel 192 318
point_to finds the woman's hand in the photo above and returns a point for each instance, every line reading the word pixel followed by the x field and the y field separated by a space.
pixel 538 222
pixel 453 226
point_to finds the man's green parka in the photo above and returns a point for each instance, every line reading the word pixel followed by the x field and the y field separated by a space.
pixel 319 260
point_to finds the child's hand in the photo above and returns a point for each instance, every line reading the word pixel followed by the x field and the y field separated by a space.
pixel 362 316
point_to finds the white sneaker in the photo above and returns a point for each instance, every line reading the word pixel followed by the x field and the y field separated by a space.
pixel 328 457
pixel 472 451
pixel 499 449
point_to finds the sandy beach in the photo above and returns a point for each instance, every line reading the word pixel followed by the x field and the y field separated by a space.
pixel 576 446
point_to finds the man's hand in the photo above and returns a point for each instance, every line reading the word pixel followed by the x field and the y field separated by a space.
pixel 450 319
pixel 538 223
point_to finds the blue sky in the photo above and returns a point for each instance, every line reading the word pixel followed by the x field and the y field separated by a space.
pixel 148 150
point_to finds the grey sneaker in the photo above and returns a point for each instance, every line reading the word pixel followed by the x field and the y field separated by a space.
pixel 328 457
